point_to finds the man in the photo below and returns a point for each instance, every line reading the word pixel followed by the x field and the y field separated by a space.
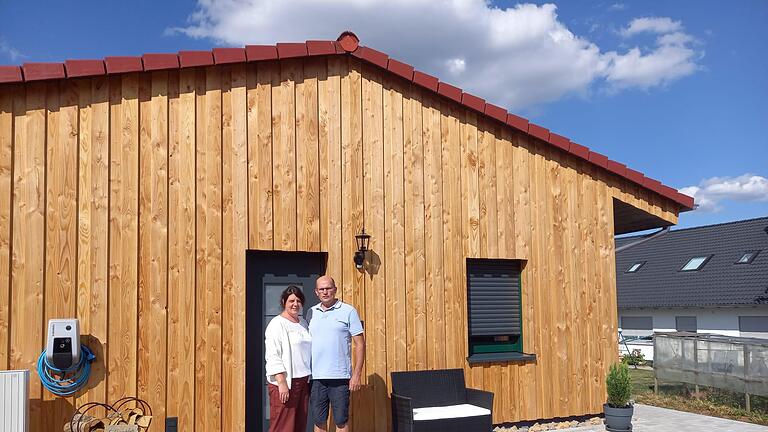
pixel 334 326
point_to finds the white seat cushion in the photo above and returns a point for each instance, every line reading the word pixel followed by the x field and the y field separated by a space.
pixel 450 411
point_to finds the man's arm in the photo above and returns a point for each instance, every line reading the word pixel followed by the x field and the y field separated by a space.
pixel 358 344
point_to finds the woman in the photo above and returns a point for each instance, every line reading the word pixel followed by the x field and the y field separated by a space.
pixel 288 356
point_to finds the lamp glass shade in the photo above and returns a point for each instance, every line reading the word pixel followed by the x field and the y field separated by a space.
pixel 362 240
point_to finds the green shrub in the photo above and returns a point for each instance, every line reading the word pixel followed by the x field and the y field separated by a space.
pixel 619 385
pixel 636 358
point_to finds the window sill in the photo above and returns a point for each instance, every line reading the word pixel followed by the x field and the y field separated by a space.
pixel 501 357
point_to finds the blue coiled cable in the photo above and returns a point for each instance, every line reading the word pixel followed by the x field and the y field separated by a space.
pixel 65 382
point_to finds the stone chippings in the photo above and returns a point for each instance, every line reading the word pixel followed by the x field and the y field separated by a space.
pixel 539 427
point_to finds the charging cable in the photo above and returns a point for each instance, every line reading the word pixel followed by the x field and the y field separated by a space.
pixel 65 382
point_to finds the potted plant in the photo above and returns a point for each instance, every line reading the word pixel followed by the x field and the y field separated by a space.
pixel 619 409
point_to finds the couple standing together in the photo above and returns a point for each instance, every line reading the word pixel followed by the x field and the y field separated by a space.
pixel 295 350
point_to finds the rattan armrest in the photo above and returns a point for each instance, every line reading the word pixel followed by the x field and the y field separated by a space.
pixel 402 413
pixel 480 398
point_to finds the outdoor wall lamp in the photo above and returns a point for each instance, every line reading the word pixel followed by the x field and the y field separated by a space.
pixel 362 246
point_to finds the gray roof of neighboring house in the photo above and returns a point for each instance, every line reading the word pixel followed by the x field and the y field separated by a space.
pixel 720 282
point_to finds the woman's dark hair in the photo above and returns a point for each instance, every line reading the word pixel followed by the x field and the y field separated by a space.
pixel 293 289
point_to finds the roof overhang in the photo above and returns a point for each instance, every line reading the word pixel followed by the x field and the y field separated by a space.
pixel 628 218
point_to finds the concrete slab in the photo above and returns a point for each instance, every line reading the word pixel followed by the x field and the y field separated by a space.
pixel 654 419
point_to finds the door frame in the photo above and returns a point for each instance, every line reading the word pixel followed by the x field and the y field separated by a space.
pixel 258 263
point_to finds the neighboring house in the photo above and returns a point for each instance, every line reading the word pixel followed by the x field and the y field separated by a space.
pixel 166 200
pixel 709 279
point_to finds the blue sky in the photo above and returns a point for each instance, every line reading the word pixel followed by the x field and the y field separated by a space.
pixel 677 90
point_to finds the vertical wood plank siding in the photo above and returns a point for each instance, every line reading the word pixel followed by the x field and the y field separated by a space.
pixel 129 201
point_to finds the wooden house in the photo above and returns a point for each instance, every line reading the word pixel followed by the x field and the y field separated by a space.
pixel 159 199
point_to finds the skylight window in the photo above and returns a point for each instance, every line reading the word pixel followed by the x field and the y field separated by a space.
pixel 696 263
pixel 747 257
pixel 635 267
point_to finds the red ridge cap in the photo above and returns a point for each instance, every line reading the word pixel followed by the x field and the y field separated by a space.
pixel 260 52
pixel 348 41
pixel 228 55
pixel 579 150
pixel 82 68
pixel 10 74
pixel 291 50
pixel 123 64
pixel 653 185
pixel 617 168
pixel 669 192
pixel 517 122
pixel 43 71
pixel 598 159
pixel 372 56
pixel 538 131
pixel 449 91
pixel 425 80
pixel 195 58
pixel 160 61
pixel 315 47
pixel 399 68
pixel 685 200
pixel 496 112
pixel 472 101
pixel 635 176
pixel 559 141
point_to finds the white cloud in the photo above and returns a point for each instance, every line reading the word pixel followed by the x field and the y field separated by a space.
pixel 13 54
pixel 657 25
pixel 518 57
pixel 709 194
pixel 618 6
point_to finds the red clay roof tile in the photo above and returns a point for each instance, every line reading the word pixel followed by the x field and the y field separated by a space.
pixel 123 64
pixel 538 131
pixel 372 56
pixel 559 141
pixel 617 168
pixel 449 91
pixel 43 71
pixel 517 122
pixel 260 52
pixel 425 80
pixel 160 61
pixel 598 159
pixel 635 176
pixel 348 41
pixel 472 101
pixel 228 55
pixel 82 68
pixel 195 58
pixel 400 68
pixel 579 150
pixel 291 50
pixel 10 74
pixel 320 48
pixel 496 112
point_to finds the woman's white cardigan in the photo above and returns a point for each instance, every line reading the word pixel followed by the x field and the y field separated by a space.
pixel 278 349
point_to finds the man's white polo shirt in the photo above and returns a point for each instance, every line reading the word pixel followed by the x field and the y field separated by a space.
pixel 332 330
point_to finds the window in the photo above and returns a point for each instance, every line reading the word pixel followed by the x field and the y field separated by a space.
pixel 637 326
pixel 696 263
pixel 686 324
pixel 747 257
pixel 494 310
pixel 753 326
pixel 635 267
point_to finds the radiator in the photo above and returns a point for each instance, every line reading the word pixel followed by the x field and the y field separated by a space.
pixel 14 401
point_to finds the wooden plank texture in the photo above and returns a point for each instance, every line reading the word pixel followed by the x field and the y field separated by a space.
pixel 181 248
pixel 6 188
pixel 93 229
pixel 153 242
pixel 234 243
pixel 123 236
